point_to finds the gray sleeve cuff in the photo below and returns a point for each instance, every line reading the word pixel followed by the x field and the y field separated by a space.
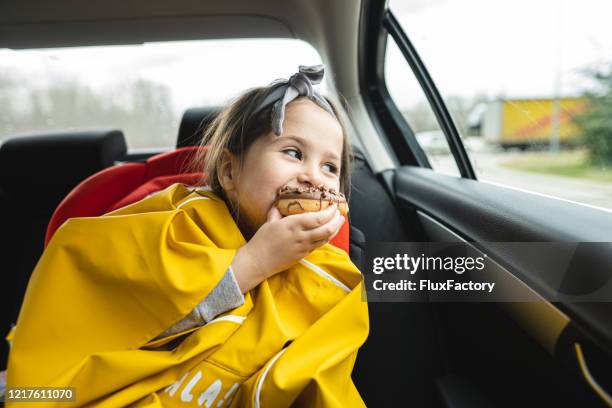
pixel 225 296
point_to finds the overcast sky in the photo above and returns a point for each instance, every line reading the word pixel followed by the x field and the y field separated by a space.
pixel 512 48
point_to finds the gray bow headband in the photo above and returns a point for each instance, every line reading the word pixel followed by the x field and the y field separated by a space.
pixel 300 84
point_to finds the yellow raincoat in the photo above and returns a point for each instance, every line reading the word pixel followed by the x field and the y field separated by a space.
pixel 106 286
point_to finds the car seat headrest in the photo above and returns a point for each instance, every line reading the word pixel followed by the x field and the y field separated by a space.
pixel 55 163
pixel 194 121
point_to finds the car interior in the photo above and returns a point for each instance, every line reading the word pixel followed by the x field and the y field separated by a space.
pixel 422 354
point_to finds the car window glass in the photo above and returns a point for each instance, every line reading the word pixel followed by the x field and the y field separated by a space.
pixel 141 89
pixel 410 99
pixel 529 86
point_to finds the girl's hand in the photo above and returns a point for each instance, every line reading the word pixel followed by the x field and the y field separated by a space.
pixel 281 242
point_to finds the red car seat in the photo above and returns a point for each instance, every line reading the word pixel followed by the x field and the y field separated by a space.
pixel 118 186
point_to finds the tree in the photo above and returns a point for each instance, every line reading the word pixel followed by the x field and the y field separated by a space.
pixel 143 109
pixel 8 84
pixel 596 121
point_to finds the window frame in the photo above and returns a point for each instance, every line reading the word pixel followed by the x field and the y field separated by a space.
pixel 398 135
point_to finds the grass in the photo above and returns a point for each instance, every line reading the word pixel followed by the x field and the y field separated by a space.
pixel 566 163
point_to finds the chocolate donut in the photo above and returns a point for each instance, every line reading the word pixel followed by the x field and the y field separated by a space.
pixel 297 200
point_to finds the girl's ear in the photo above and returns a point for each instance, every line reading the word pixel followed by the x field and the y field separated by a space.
pixel 226 171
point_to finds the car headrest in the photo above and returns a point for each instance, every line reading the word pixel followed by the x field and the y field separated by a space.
pixel 194 121
pixel 55 163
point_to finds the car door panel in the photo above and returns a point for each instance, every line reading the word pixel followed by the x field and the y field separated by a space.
pixel 452 209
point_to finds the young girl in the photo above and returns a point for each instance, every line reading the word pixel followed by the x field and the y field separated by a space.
pixel 208 296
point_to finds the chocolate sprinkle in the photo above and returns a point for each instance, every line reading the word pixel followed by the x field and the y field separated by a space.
pixel 313 192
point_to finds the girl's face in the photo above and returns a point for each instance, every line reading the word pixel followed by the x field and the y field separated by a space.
pixel 308 153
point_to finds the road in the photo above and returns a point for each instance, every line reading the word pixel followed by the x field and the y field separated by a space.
pixel 488 168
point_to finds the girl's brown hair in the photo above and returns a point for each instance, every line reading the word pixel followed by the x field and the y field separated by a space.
pixel 236 128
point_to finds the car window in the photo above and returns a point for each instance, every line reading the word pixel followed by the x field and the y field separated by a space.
pixel 529 86
pixel 410 99
pixel 141 89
